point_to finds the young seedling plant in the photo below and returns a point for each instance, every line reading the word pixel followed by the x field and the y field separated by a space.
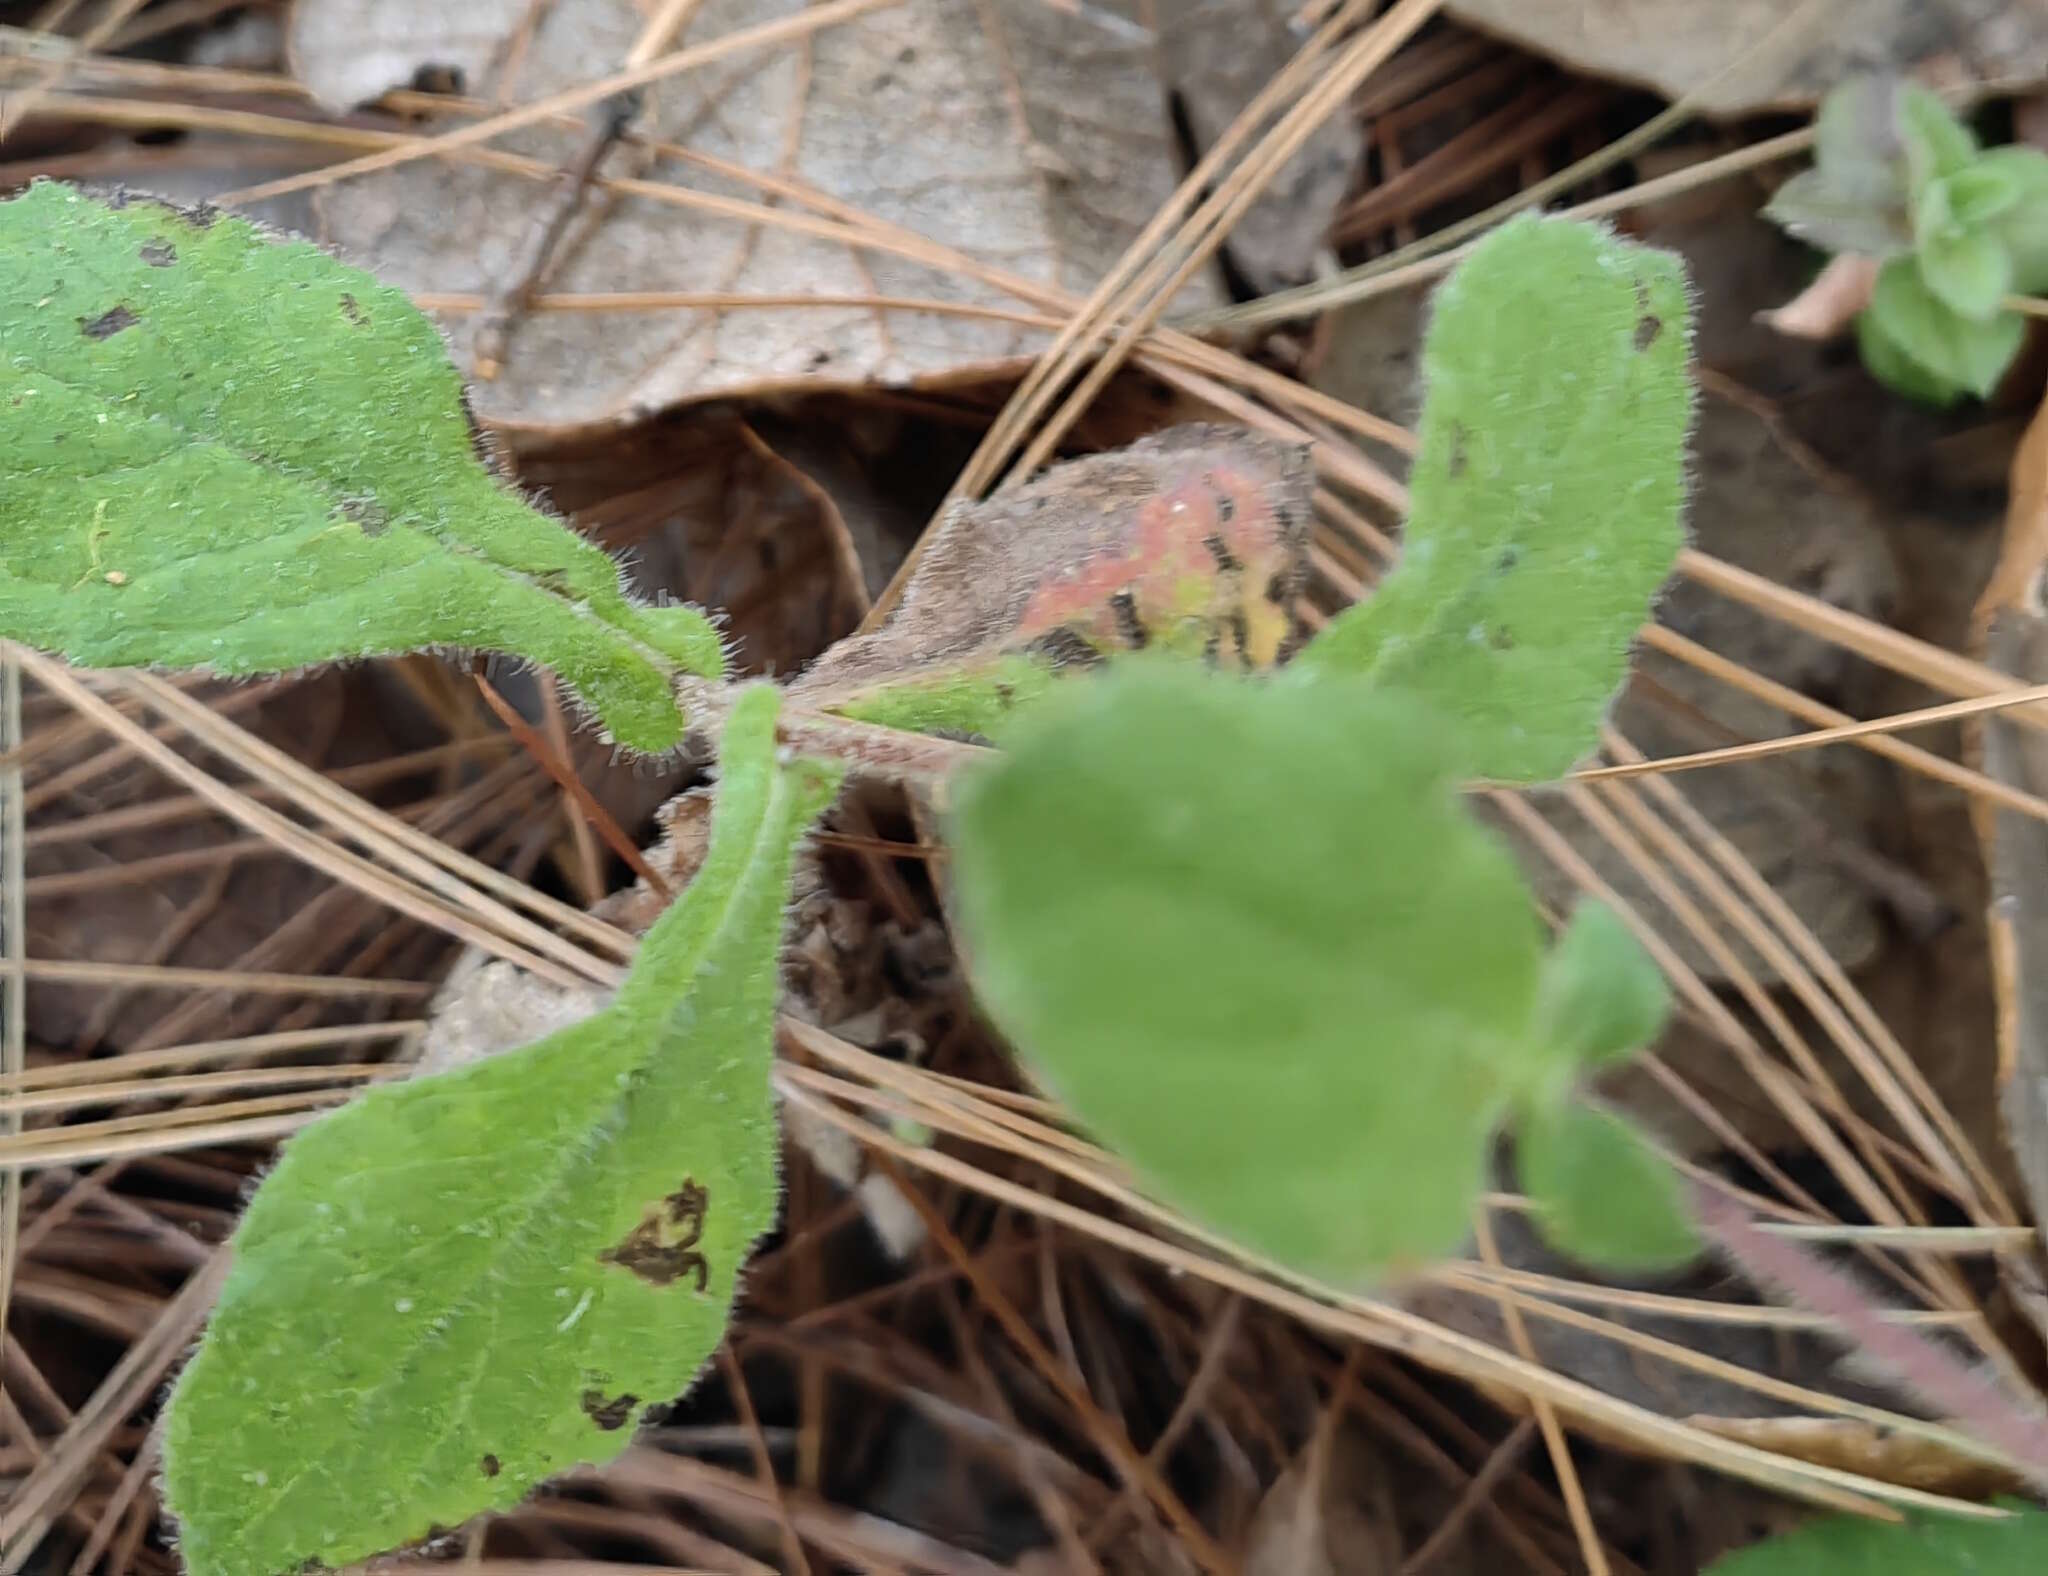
pixel 1959 231
pixel 1233 914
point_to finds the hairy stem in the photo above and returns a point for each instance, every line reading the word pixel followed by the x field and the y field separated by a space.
pixel 1925 1369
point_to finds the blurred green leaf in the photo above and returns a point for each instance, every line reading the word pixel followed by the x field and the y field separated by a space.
pixel 1247 934
pixel 2016 1545
pixel 1546 494
pixel 226 450
pixel 1936 143
pixel 1812 209
pixel 1854 197
pixel 1958 350
pixel 1967 271
pixel 1978 193
pixel 1889 363
pixel 458 1286
pixel 2023 228
pixel 1603 1196
pixel 1601 998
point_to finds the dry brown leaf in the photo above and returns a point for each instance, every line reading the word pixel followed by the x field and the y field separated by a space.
pixel 1826 308
pixel 1329 1514
pixel 1677 46
pixel 1031 137
pixel 2010 615
pixel 1848 1445
pixel 1079 549
pixel 1216 55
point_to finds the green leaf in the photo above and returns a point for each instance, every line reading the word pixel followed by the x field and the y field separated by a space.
pixel 1889 363
pixel 1245 931
pixel 1856 145
pixel 977 699
pixel 1602 1195
pixel 2016 1545
pixel 459 1286
pixel 1968 272
pixel 228 451
pixel 1977 193
pixel 2023 228
pixel 1854 197
pixel 1547 492
pixel 1601 998
pixel 1811 208
pixel 1937 144
pixel 1955 348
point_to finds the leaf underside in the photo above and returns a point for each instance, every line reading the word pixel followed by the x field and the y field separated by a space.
pixel 220 449
pixel 1247 935
pixel 1546 494
pixel 459 1286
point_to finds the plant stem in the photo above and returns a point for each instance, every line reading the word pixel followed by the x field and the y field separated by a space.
pixel 1925 1369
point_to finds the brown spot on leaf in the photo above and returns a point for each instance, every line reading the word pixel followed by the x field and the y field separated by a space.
pixel 1648 327
pixel 108 323
pixel 491 1465
pixel 608 1415
pixel 159 254
pixel 353 311
pixel 366 514
pixel 662 1249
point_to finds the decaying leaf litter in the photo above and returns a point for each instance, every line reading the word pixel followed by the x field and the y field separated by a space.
pixel 1232 1382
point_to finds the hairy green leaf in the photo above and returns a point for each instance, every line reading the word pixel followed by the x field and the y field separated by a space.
pixel 1602 1195
pixel 458 1286
pixel 2017 1545
pixel 1248 934
pixel 1600 998
pixel 223 450
pixel 1960 350
pixel 977 699
pixel 1547 493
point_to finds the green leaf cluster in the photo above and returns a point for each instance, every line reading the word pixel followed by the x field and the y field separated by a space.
pixel 458 1286
pixel 1246 931
pixel 1249 936
pixel 1958 228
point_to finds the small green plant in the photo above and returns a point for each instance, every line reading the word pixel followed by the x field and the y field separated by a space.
pixel 1958 229
pixel 1241 921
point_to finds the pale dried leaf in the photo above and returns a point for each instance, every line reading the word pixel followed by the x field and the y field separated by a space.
pixel 1826 307
pixel 1217 54
pixel 1031 137
pixel 1329 1514
pixel 1677 46
pixel 1850 1445
pixel 348 52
